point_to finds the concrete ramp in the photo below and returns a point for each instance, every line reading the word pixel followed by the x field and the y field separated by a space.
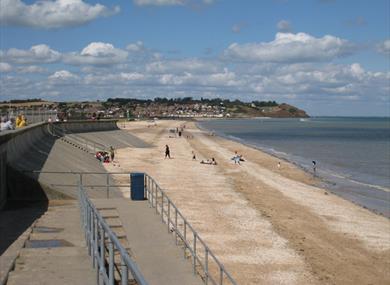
pixel 115 138
pixel 152 247
pixel 35 148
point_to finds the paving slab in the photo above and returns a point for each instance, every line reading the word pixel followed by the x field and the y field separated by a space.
pixel 55 252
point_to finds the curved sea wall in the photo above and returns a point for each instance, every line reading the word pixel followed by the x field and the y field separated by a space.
pixel 29 148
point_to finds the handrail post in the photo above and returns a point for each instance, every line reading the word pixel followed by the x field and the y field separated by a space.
pixel 176 230
pixel 95 243
pixel 162 207
pixel 155 189
pixel 194 253
pixel 102 249
pixel 91 231
pixel 124 273
pixel 220 276
pixel 169 214
pixel 110 263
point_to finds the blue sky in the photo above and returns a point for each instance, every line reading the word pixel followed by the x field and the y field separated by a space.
pixel 329 57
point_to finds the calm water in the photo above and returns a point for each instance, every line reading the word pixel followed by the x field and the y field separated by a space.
pixel 352 154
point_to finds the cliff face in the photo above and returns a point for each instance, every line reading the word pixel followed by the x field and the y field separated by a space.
pixel 279 111
pixel 288 111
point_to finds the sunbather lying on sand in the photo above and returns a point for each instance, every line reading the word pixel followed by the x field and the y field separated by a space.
pixel 209 161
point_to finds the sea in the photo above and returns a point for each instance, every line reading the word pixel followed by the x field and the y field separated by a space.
pixel 352 154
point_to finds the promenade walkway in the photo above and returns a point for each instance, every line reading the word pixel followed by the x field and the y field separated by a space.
pixel 153 249
pixel 55 251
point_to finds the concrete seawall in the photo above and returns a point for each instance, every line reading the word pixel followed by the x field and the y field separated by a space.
pixel 35 148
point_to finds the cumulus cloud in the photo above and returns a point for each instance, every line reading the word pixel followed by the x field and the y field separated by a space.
pixel 136 47
pixel 179 66
pixel 384 47
pixel 115 78
pixel 51 14
pixel 36 54
pixel 97 53
pixel 281 74
pixel 288 47
pixel 5 67
pixel 62 76
pixel 284 26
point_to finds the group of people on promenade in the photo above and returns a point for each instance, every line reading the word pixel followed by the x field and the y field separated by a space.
pixel 106 156
pixel 10 123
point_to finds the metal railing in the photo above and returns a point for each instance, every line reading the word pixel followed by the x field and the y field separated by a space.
pixel 32 116
pixel 204 262
pixel 83 178
pixel 102 244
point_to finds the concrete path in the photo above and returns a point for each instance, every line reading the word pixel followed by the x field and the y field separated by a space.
pixel 55 252
pixel 153 249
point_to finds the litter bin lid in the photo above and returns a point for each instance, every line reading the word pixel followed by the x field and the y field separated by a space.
pixel 135 174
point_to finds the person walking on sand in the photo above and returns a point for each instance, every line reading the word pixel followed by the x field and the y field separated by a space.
pixel 279 165
pixel 193 155
pixel 167 152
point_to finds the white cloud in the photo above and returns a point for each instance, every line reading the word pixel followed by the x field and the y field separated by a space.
pixel 31 69
pixel 36 54
pixel 136 47
pixel 179 66
pixel 115 78
pixel 5 67
pixel 284 26
pixel 288 47
pixel 62 76
pixel 384 47
pixel 51 14
pixel 132 76
pixel 158 2
pixel 97 53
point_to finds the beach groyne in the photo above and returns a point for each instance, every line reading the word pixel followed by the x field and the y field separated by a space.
pixel 35 148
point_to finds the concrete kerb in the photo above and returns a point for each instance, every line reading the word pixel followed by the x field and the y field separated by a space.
pixel 8 258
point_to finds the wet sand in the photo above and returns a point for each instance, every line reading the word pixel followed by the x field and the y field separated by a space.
pixel 267 225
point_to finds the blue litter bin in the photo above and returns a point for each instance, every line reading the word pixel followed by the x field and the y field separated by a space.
pixel 137 186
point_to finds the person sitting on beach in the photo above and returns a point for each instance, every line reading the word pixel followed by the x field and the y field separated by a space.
pixel 106 157
pixel 237 158
pixel 99 156
pixel 211 161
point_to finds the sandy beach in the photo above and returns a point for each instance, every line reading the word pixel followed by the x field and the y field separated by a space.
pixel 267 225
